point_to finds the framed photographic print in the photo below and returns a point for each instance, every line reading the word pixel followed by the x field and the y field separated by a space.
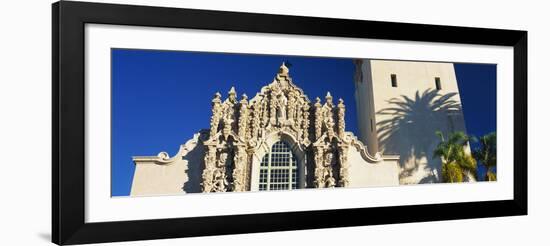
pixel 175 122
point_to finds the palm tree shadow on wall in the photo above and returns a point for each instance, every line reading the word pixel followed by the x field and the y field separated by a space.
pixel 408 129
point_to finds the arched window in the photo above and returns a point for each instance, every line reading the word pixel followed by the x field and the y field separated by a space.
pixel 278 169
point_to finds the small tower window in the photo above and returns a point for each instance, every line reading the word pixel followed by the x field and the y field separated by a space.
pixel 393 80
pixel 438 83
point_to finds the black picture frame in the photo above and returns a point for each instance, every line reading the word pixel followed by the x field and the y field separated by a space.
pixel 68 122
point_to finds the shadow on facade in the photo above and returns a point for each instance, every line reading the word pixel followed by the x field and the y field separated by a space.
pixel 194 172
pixel 408 129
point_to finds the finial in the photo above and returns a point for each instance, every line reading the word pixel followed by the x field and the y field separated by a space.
pixel 244 98
pixel 232 95
pixel 328 96
pixel 232 91
pixel 217 97
pixel 283 70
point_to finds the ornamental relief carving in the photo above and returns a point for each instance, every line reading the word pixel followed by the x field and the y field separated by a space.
pixel 239 127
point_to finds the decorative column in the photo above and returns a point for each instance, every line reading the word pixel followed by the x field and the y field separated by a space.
pixel 329 117
pixel 220 183
pixel 265 110
pixel 229 116
pixel 341 118
pixel 305 122
pixel 328 170
pixel 344 166
pixel 207 183
pixel 318 156
pixel 318 118
pixel 216 114
pixel 239 170
pixel 291 111
pixel 273 108
pixel 243 116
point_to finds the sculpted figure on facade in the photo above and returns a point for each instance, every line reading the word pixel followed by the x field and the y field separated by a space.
pixel 281 109
pixel 220 181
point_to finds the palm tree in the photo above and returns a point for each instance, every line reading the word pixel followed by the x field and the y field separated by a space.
pixel 487 155
pixel 456 163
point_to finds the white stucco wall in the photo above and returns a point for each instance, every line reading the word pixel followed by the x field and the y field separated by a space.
pixel 151 178
pixel 406 117
pixel 160 175
pixel 370 174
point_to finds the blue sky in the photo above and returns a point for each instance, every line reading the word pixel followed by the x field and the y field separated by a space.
pixel 161 98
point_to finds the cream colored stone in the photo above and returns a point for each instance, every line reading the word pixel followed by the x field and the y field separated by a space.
pixel 402 120
pixel 161 175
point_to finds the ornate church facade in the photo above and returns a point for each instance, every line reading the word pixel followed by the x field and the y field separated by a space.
pixel 278 140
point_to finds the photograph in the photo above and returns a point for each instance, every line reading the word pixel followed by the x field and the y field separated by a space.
pixel 204 122
pixel 174 121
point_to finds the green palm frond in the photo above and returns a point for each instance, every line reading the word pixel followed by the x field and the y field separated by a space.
pixel 456 162
pixel 486 154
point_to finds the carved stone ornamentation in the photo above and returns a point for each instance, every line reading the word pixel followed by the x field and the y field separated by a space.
pixel 216 113
pixel 243 116
pixel 344 166
pixel 305 123
pixel 210 168
pixel 239 170
pixel 318 153
pixel 328 116
pixel 341 118
pixel 238 129
pixel 318 118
